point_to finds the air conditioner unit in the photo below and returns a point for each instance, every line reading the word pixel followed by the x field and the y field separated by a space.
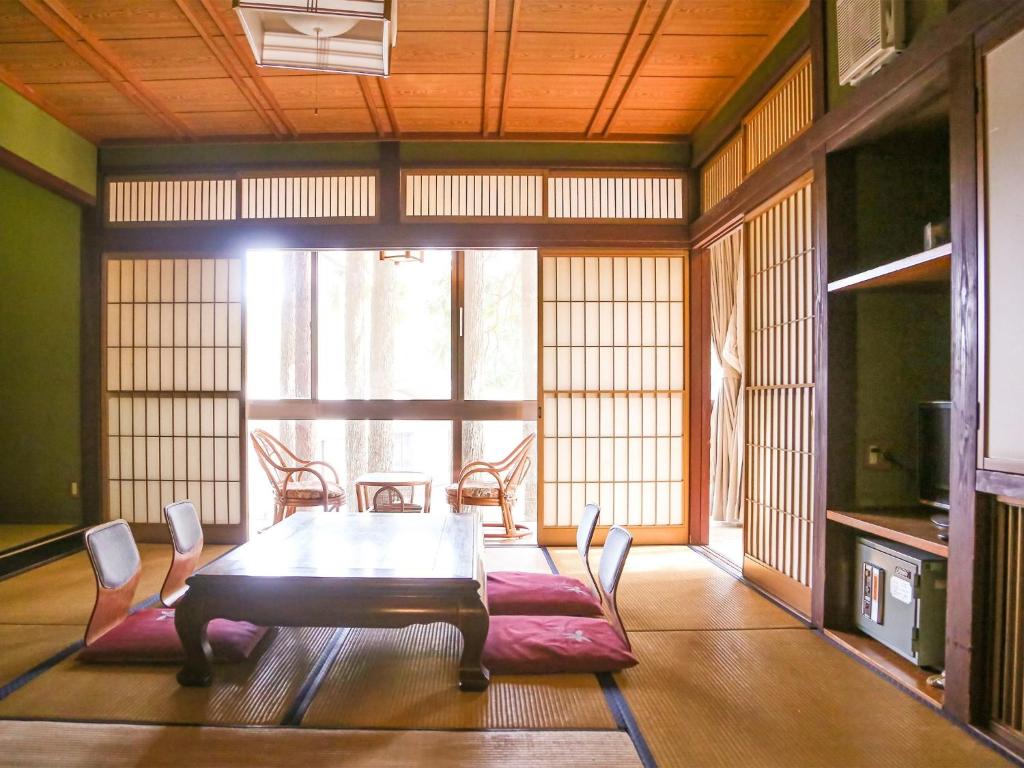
pixel 869 34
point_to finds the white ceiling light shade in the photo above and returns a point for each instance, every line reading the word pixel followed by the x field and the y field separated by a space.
pixel 345 36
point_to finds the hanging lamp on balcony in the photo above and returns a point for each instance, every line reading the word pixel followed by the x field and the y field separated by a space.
pixel 338 36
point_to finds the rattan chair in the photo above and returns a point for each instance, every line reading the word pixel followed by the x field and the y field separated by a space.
pixel 294 480
pixel 503 479
pixel 388 498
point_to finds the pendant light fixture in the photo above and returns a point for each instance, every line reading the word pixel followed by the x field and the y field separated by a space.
pixel 340 36
pixel 402 257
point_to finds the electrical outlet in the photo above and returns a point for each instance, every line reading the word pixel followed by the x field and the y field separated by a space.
pixel 876 458
pixel 74 489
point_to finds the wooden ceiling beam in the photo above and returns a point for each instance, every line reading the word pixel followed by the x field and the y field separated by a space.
pixel 488 59
pixel 31 94
pixel 244 56
pixel 371 107
pixel 382 86
pixel 666 14
pixel 509 53
pixel 634 32
pixel 230 68
pixel 100 57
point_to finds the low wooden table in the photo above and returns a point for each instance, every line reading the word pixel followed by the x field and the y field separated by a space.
pixel 318 569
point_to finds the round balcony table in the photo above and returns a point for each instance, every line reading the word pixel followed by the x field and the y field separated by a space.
pixel 366 487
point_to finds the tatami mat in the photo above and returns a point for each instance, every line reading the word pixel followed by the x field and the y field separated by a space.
pixel 23 646
pixel 15 534
pixel 516 559
pixel 408 678
pixel 256 692
pixel 83 745
pixel 780 698
pixel 62 592
pixel 674 588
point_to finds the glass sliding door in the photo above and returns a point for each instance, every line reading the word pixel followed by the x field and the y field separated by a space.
pixel 373 365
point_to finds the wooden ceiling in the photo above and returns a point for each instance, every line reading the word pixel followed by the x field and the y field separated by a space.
pixel 182 69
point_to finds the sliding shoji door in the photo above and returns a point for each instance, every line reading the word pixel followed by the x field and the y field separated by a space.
pixel 613 379
pixel 779 465
pixel 172 408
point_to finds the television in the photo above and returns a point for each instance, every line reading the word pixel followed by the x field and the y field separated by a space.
pixel 933 453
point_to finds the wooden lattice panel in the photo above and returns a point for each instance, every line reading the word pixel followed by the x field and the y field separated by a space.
pixel 310 196
pixel 613 388
pixel 616 197
pixel 148 201
pixel 473 195
pixel 779 417
pixel 1007 650
pixel 780 116
pixel 722 174
pixel 173 374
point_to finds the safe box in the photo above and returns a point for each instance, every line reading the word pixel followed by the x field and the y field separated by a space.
pixel 900 599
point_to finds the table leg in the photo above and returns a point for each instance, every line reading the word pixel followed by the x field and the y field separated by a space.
pixel 191 626
pixel 473 623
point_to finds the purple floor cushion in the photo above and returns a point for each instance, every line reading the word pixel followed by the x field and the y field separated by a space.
pixel 539 594
pixel 149 636
pixel 525 645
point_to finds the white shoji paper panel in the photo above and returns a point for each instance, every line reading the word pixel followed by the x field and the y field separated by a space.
pixel 616 197
pixel 162 449
pixel 173 352
pixel 470 195
pixel 779 470
pixel 612 345
pixel 310 197
pixel 172 200
pixel 174 325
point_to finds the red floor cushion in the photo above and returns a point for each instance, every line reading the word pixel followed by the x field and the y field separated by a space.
pixel 149 636
pixel 525 645
pixel 539 594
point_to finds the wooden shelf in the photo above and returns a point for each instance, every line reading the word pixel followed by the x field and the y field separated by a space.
pixel 906 525
pixel 930 266
pixel 889 663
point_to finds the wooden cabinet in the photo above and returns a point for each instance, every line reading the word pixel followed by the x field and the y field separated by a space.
pixel 1001 444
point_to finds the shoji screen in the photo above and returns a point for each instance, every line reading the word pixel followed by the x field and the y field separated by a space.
pixel 780 396
pixel 613 383
pixel 173 373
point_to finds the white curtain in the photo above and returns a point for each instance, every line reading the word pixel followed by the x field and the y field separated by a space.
pixel 726 261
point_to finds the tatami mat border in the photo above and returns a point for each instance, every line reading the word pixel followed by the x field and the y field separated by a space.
pixel 624 717
pixel 316 676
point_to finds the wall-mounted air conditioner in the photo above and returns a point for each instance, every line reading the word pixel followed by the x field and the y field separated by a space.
pixel 869 34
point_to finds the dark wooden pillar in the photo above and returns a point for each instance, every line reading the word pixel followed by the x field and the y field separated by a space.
pixel 966 635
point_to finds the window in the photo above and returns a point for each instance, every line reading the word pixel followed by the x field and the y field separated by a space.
pixel 373 365
pixel 384 328
pixel 278 297
pixel 501 325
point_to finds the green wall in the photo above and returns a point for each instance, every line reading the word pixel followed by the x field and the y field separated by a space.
pixel 33 135
pixel 903 359
pixel 40 419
